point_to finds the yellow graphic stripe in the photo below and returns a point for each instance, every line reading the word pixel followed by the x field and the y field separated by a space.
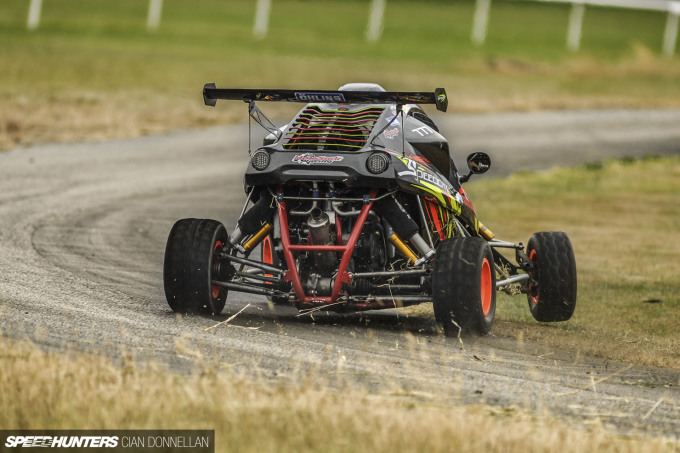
pixel 430 189
pixel 446 199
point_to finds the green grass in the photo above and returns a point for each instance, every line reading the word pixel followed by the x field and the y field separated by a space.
pixel 93 71
pixel 623 219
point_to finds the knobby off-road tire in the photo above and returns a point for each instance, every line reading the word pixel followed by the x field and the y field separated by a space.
pixel 464 286
pixel 552 288
pixel 189 265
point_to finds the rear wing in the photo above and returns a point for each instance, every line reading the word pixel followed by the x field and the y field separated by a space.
pixel 211 94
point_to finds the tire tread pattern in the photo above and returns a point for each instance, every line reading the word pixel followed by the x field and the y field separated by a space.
pixel 187 267
pixel 556 277
pixel 456 286
pixel 180 239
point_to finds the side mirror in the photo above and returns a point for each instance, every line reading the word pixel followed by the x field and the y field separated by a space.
pixel 478 163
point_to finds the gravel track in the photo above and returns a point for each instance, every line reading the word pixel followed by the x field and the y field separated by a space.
pixel 82 237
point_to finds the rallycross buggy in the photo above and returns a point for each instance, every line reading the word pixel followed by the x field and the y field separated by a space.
pixel 357 205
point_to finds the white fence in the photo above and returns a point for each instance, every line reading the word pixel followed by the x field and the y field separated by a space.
pixel 672 9
pixel 479 24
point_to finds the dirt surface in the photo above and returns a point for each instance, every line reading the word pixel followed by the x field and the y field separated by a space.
pixel 82 238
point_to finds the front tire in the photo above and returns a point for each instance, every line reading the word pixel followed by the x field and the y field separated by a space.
pixel 190 262
pixel 464 286
pixel 552 288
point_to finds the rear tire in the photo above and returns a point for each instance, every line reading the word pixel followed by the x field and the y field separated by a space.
pixel 270 256
pixel 552 288
pixel 190 262
pixel 464 286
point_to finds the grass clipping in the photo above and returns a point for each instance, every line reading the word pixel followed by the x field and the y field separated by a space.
pixel 39 390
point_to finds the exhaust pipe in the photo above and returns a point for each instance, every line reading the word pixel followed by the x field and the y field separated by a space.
pixel 320 234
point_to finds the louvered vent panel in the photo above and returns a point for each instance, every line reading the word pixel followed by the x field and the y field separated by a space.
pixel 320 130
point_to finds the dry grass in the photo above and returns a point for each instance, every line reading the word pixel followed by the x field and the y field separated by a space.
pixel 41 390
pixel 91 116
pixel 68 114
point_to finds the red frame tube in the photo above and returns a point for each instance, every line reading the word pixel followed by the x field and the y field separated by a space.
pixel 343 276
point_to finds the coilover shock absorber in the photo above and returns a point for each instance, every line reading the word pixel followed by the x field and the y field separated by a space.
pixel 404 227
pixel 257 221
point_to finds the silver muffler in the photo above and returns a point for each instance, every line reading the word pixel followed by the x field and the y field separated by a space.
pixel 320 234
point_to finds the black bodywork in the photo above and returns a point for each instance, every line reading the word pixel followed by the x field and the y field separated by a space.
pixel 356 204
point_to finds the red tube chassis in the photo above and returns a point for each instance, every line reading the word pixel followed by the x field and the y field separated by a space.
pixel 343 276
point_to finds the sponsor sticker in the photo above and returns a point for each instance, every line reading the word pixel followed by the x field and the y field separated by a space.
pixel 320 97
pixel 313 159
pixel 392 133
pixel 423 131
pixel 422 174
pixel 395 122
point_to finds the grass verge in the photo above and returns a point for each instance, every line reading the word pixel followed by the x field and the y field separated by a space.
pixel 623 219
pixel 47 391
pixel 93 72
